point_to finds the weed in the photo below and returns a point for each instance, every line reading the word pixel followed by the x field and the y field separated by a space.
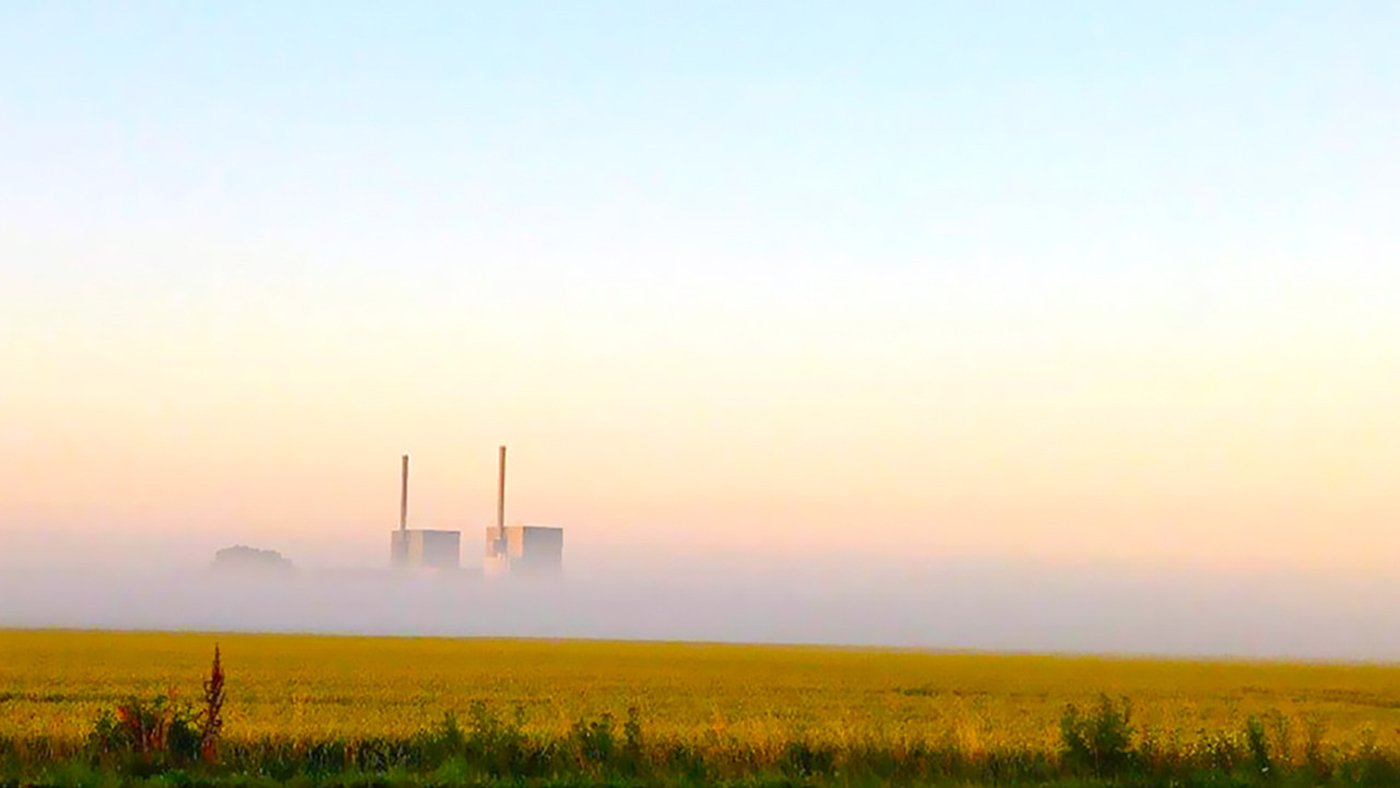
pixel 1258 742
pixel 211 719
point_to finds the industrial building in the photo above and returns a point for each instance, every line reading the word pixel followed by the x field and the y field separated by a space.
pixel 520 549
pixel 422 548
pixel 524 549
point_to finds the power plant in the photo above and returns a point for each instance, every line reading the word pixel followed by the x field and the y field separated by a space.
pixel 515 550
pixel 422 548
pixel 520 549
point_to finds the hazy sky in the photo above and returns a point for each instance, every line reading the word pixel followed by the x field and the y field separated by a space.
pixel 1057 282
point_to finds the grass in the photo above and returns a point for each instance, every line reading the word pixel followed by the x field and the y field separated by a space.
pixel 369 709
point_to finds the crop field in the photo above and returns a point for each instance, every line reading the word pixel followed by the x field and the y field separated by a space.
pixel 54 685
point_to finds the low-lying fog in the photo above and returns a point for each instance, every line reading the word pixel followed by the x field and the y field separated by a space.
pixel 949 603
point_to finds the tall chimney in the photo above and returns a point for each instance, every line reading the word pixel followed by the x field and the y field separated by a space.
pixel 501 496
pixel 403 498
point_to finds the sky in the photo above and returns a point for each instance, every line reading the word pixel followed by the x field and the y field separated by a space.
pixel 1071 284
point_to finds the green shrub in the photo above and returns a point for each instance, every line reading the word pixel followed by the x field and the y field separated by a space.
pixel 595 739
pixel 152 737
pixel 500 746
pixel 1258 742
pixel 806 760
pixel 1099 743
pixel 161 730
pixel 633 747
pixel 1315 752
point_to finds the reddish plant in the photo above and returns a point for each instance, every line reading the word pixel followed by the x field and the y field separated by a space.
pixel 166 730
pixel 145 726
pixel 211 720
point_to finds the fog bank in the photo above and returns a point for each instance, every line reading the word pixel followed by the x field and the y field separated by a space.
pixel 965 603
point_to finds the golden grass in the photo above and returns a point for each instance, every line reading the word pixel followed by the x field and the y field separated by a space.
pixel 55 683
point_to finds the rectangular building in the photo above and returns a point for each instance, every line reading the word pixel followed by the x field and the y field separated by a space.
pixel 524 550
pixel 421 548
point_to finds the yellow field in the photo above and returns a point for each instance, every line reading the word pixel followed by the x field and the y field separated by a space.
pixel 55 683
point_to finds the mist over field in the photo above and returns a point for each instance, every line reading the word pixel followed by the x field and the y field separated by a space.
pixel 947 603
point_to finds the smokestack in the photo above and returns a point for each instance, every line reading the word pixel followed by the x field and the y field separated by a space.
pixel 501 496
pixel 403 498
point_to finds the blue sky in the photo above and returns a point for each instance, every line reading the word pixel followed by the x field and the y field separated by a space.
pixel 1074 137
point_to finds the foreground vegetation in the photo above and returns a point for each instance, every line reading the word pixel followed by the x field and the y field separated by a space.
pixel 429 711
